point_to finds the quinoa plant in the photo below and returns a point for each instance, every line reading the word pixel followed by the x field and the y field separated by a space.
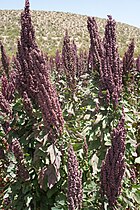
pixel 69 130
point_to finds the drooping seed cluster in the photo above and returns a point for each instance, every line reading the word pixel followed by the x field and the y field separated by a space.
pixel 7 83
pixel 8 87
pixel 96 48
pixel 18 153
pixel 27 103
pixel 25 80
pixel 27 30
pixel 4 105
pixel 82 64
pixel 7 92
pixel 113 74
pixel 70 64
pixel 69 56
pixel 128 58
pixel 113 166
pixel 85 147
pixel 58 63
pixel 47 97
pixel 74 193
pixel 4 59
pixel 33 81
pixel 104 55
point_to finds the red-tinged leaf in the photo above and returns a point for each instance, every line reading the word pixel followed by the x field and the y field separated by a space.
pixel 52 177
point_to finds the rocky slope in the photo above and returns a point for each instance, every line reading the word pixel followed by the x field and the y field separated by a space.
pixel 50 28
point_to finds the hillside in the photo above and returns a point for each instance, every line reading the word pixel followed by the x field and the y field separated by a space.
pixel 69 124
pixel 50 28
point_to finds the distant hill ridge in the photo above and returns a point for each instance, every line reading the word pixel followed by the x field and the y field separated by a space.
pixel 50 28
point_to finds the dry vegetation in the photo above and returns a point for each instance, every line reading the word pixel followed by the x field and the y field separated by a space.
pixel 50 28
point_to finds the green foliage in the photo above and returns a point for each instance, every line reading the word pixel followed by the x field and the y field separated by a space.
pixel 85 121
pixel 82 121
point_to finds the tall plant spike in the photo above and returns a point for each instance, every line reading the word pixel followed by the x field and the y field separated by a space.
pixel 75 192
pixel 33 78
pixel 113 166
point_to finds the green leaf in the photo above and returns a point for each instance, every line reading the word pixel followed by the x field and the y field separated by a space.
pixel 51 192
pixel 77 146
pixel 98 119
pixel 137 160
pixel 94 163
pixel 28 200
pixel 25 188
pixel 137 197
pixel 56 208
pixel 2 134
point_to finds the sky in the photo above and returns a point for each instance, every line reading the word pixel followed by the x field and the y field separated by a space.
pixel 125 11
